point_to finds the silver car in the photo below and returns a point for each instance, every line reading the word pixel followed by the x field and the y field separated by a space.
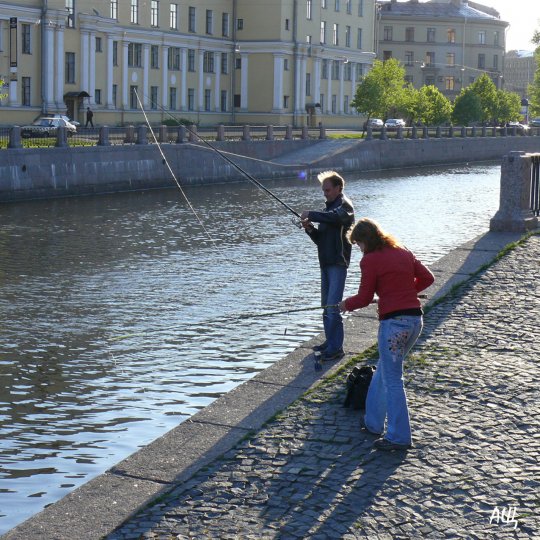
pixel 47 127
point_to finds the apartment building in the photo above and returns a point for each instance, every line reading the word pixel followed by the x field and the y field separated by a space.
pixel 519 70
pixel 445 43
pixel 230 61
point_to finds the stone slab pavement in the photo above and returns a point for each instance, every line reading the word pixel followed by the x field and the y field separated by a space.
pixel 279 457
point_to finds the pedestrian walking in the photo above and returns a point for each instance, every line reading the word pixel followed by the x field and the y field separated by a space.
pixel 334 252
pixel 89 117
pixel 396 276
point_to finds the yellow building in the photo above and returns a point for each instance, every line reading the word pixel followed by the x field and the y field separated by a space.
pixel 230 61
pixel 445 43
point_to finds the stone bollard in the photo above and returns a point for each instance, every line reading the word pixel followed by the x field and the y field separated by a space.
pixel 246 135
pixel 399 134
pixel 103 136
pixel 220 136
pixel 514 131
pixel 463 131
pixel 451 131
pixel 163 136
pixel 473 131
pixel 414 133
pixel 61 137
pixel 493 131
pixel 515 214
pixel 305 133
pixel 438 132
pixel 322 131
pixel 288 132
pixel 369 135
pixel 142 135
pixel 384 136
pixel 505 131
pixel 130 135
pixel 193 133
pixel 15 137
pixel 181 134
pixel 269 133
pixel 484 131
pixel 425 132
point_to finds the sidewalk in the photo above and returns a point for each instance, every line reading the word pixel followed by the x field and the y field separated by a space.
pixel 474 471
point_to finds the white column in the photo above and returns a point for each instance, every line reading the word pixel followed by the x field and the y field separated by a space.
pixel 316 79
pixel 278 83
pixel 85 61
pixel 183 84
pixel 303 70
pixel 48 83
pixel 164 76
pixel 217 80
pixel 145 98
pixel 200 93
pixel 60 70
pixel 244 82
pixel 110 72
pixel 125 82
pixel 328 103
pixel 297 84
pixel 353 81
pixel 92 69
pixel 341 87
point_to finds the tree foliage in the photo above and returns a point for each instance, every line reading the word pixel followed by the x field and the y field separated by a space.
pixel 436 107
pixel 508 106
pixel 534 88
pixel 486 91
pixel 467 107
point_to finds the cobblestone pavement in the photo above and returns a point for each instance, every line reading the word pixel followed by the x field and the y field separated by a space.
pixel 474 471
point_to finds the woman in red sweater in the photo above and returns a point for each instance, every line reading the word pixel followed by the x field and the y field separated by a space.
pixel 396 276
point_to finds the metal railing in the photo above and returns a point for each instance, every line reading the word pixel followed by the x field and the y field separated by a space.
pixel 535 184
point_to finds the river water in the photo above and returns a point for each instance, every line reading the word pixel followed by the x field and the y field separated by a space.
pixel 122 315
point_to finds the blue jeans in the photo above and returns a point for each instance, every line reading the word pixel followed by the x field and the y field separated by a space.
pixel 332 287
pixel 386 396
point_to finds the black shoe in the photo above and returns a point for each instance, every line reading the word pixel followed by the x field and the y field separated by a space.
pixel 319 348
pixel 367 431
pixel 385 444
pixel 332 357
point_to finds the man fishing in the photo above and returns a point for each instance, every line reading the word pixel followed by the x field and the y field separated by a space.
pixel 334 250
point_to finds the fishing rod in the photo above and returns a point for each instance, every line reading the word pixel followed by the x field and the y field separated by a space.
pixel 235 165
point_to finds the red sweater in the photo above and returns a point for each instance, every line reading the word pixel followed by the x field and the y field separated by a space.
pixel 395 275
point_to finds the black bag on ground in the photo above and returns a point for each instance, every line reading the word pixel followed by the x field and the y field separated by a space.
pixel 357 386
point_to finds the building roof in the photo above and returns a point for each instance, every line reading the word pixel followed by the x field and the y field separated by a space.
pixel 443 9
pixel 519 54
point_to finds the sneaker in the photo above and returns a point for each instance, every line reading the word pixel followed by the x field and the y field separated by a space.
pixel 319 348
pixel 385 444
pixel 331 357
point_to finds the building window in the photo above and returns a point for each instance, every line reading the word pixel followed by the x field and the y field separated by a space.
pixel 335 34
pixel 430 58
pixel 115 53
pixel 99 44
pixel 346 104
pixel 114 94
pixel 70 10
pixel 192 23
pixel 360 8
pixel 286 24
pixel 450 59
pixel 323 4
pixel 114 9
pixel 308 39
pixel 387 33
pixel 348 6
pixel 239 24
pixel 409 33
pixel 208 62
pixel 173 59
pixel 26 30
pixel 496 39
pixel 347 68
pixel 134 13
pixel 324 69
pixel 409 58
pixel 172 98
pixel 430 81
pixel 154 56
pixel 209 21
pixel 191 99
pixel 25 86
pixel 207 99
pixel 451 34
pixel 335 70
pixel 359 38
pixel 285 102
pixel 191 60
pixel 430 35
pixel 409 79
pixel 225 25
pixel 308 9
pixel 154 13
pixel 135 55
pixel 495 61
pixel 481 61
pixel 223 101
pixel 133 102
pixel 334 104
pixel 173 16
pixel 347 36
pixel 336 5
pixel 482 37
pixel 153 97
pixel 97 96
pixel 387 55
pixel 321 101
pixel 237 100
pixel 308 84
pixel 224 63
pixel 238 64
pixel 449 83
pixel 323 32
pixel 286 64
pixel 70 68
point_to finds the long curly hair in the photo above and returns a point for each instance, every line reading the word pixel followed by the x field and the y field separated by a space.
pixel 370 233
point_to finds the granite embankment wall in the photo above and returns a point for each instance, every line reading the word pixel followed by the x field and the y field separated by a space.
pixel 60 172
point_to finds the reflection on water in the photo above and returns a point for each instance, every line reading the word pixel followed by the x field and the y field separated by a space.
pixel 120 316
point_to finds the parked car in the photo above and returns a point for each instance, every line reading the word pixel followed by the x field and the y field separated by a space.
pixel 394 123
pixel 535 122
pixel 58 115
pixel 47 127
pixel 374 123
pixel 522 129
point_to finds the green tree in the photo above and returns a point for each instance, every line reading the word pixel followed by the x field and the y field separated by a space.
pixel 2 83
pixel 381 90
pixel 508 106
pixel 534 88
pixel 436 107
pixel 486 91
pixel 467 107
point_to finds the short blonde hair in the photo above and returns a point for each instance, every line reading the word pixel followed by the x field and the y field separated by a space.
pixel 333 176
